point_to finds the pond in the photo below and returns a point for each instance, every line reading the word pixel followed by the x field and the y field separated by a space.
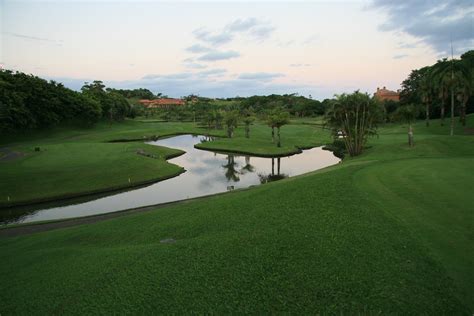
pixel 206 173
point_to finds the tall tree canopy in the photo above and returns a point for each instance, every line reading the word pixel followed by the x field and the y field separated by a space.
pixel 28 102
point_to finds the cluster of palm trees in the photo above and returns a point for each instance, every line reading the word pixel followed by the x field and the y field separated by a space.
pixel 450 82
pixel 274 118
pixel 353 118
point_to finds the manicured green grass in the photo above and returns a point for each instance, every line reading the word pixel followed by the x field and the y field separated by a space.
pixel 293 137
pixel 69 169
pixel 389 232
pixel 75 161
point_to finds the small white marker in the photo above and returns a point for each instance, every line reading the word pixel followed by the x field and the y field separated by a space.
pixel 8 198
pixel 129 180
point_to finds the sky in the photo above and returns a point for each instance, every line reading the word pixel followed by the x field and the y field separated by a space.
pixel 232 48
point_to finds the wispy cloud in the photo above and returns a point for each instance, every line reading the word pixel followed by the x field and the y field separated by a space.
pixel 195 66
pixel 176 76
pixel 198 48
pixel 435 23
pixel 218 55
pixel 242 25
pixel 401 56
pixel 33 38
pixel 262 32
pixel 251 27
pixel 212 72
pixel 214 39
pixel 261 76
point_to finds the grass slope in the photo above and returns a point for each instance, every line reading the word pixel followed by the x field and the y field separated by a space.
pixel 388 232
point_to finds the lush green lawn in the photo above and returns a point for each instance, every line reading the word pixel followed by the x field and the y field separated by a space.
pixel 293 137
pixel 77 161
pixel 388 232
pixel 67 169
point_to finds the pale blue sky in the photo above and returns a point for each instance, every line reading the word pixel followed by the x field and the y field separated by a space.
pixel 221 49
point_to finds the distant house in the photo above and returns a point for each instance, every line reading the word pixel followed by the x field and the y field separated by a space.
pixel 384 94
pixel 162 103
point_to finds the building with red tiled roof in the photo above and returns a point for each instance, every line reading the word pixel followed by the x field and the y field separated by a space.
pixel 162 103
pixel 385 94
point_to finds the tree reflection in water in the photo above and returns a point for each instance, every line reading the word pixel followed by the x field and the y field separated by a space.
pixel 231 173
pixel 248 167
pixel 264 178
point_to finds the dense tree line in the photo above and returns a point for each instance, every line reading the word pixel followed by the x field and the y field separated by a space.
pixel 29 102
pixel 139 93
pixel 114 106
pixel 442 88
pixel 295 104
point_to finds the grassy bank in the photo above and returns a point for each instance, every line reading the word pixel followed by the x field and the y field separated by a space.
pixel 293 137
pixel 388 232
pixel 73 162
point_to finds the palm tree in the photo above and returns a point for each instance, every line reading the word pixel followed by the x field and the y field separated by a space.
pixel 231 119
pixel 355 117
pixel 276 118
pixel 281 119
pixel 408 113
pixel 271 120
pixel 450 76
pixel 441 85
pixel 247 118
pixel 426 91
pixel 464 91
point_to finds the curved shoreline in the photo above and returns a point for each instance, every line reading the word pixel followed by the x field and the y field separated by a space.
pixel 14 230
pixel 298 150
pixel 4 206
pixel 91 193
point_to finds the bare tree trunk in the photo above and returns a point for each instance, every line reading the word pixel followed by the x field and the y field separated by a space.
pixel 247 130
pixel 410 135
pixel 278 134
pixel 273 134
pixel 452 112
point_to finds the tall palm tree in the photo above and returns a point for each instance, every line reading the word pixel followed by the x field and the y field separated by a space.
pixel 441 85
pixel 281 119
pixel 426 91
pixel 231 121
pixel 248 118
pixel 450 76
pixel 465 88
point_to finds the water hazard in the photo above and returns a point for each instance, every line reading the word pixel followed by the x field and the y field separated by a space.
pixel 206 173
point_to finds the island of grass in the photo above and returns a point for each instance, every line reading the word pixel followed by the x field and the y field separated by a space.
pixel 387 232
pixel 77 162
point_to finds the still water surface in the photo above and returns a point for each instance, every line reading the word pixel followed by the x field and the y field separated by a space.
pixel 206 173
